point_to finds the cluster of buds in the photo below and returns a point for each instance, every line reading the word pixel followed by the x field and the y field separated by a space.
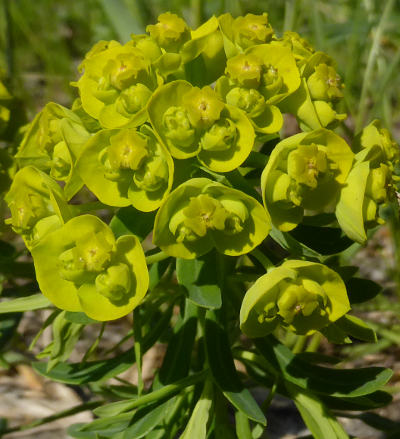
pixel 204 99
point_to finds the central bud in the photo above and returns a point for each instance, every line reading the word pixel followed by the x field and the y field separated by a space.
pixel 90 256
pixel 248 100
pixel 177 126
pixel 127 150
pixel 301 300
pixel 305 163
pixel 127 69
pixel 115 283
pixel 203 106
pixel 252 29
pixel 245 70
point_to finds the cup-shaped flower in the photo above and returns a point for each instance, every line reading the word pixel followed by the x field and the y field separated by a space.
pixel 256 80
pixel 302 296
pixel 127 167
pixel 315 103
pixel 305 172
pixel 201 214
pixel 191 121
pixel 81 267
pixel 37 205
pixel 52 143
pixel 243 32
pixel 170 33
pixel 116 84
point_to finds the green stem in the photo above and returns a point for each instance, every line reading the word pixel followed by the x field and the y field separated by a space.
pixel 300 343
pixel 157 257
pixel 137 331
pixel 270 397
pixel 262 259
pixel 72 411
pixel 314 342
pixel 163 393
pixel 373 54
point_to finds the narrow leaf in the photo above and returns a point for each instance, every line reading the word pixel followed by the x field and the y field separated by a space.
pixel 29 303
pixel 221 363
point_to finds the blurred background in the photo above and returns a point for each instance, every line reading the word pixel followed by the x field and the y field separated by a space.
pixel 43 41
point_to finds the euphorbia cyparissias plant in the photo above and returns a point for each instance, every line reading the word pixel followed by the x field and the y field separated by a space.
pixel 82 267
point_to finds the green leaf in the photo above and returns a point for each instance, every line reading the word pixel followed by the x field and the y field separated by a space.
pixel 200 278
pixel 79 317
pixel 156 272
pixel 366 402
pixel 29 303
pixel 361 290
pixel 323 380
pixel 322 424
pixel 296 248
pixel 65 337
pixel 176 363
pixel 197 425
pixel 109 426
pixel 357 328
pixel 243 430
pixel 116 408
pixel 223 370
pixel 145 420
pixel 324 240
pixel 92 371
pixel 74 430
pixel 130 221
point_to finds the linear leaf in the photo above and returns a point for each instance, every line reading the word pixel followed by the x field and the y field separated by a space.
pixel 29 303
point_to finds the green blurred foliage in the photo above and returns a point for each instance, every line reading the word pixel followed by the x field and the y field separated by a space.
pixel 49 39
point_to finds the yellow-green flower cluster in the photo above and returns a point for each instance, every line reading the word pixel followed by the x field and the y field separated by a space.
pixel 171 123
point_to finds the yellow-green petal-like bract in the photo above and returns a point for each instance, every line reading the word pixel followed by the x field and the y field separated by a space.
pixel 201 214
pixel 302 296
pixel 81 267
